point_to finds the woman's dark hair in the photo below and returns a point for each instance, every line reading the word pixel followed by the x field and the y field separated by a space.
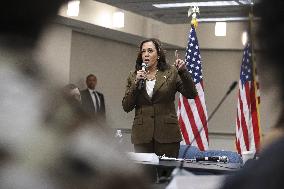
pixel 162 64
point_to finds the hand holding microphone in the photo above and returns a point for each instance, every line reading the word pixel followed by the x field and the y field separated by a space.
pixel 141 76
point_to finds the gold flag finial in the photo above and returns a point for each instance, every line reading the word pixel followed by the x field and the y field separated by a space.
pixel 192 11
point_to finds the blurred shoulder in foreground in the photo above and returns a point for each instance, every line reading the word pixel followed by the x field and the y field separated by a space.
pixel 46 140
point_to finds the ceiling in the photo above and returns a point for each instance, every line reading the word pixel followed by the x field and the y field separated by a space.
pixel 177 15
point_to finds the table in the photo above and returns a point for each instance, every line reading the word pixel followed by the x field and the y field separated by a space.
pixel 161 172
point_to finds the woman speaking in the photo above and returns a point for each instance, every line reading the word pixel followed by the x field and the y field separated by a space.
pixel 151 90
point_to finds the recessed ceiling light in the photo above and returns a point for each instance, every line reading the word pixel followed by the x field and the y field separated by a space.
pixel 220 29
pixel 228 19
pixel 223 19
pixel 73 8
pixel 118 19
pixel 246 2
pixel 199 4
pixel 244 38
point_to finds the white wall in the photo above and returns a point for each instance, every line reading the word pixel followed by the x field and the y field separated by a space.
pixel 111 62
pixel 54 51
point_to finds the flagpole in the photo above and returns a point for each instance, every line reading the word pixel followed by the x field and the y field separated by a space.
pixel 252 42
pixel 193 13
pixel 251 35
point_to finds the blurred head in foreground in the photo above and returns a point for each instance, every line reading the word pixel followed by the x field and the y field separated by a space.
pixel 267 171
pixel 72 91
pixel 46 141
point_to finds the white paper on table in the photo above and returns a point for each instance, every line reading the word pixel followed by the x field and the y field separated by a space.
pixel 196 182
pixel 143 157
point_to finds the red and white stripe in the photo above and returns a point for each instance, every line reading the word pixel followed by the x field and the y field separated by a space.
pixel 247 122
pixel 192 116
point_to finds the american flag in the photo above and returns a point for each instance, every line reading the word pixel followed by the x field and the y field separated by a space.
pixel 192 113
pixel 247 122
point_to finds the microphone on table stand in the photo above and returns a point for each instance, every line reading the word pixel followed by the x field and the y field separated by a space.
pixel 178 171
pixel 223 159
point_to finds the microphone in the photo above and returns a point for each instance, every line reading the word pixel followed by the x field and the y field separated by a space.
pixel 142 81
pixel 233 85
pixel 223 159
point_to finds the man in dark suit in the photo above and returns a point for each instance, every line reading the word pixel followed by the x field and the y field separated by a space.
pixel 93 101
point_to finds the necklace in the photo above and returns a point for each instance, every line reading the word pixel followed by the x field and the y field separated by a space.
pixel 151 78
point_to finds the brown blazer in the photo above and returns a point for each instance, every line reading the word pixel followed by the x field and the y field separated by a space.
pixel 156 117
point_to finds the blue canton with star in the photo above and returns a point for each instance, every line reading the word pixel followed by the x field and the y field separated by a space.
pixel 246 68
pixel 193 58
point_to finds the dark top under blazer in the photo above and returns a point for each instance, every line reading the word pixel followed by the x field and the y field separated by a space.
pixel 156 117
pixel 88 104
